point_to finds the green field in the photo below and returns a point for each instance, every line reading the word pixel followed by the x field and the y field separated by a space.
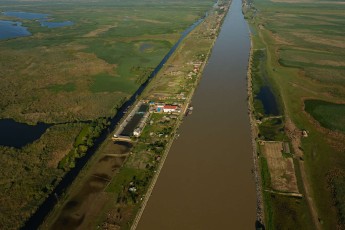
pixel 330 115
pixel 303 42
pixel 76 73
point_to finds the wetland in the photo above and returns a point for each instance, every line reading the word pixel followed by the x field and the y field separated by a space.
pixel 58 76
pixel 302 57
pixel 15 29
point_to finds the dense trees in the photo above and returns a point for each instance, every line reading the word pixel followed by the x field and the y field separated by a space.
pixel 83 142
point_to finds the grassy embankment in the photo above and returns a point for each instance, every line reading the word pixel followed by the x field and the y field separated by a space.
pixel 68 74
pixel 176 83
pixel 304 61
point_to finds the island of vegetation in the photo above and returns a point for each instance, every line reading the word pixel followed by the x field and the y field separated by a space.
pixel 296 96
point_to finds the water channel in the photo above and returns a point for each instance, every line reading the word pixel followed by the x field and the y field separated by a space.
pixel 206 181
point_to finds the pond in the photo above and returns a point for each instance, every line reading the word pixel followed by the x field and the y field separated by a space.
pixel 56 24
pixel 11 29
pixel 268 100
pixel 145 46
pixel 17 135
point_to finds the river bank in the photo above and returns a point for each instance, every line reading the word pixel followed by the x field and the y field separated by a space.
pixel 260 215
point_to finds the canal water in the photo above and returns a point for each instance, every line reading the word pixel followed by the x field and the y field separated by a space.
pixel 206 181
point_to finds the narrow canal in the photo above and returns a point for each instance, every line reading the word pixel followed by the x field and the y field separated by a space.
pixel 206 182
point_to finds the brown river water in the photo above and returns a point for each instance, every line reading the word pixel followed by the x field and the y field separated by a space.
pixel 206 181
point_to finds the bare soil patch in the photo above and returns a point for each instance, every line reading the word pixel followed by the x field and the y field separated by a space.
pixel 101 30
pixel 282 169
pixel 85 204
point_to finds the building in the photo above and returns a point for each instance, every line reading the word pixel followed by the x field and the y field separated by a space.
pixel 159 108
pixel 137 132
pixel 170 109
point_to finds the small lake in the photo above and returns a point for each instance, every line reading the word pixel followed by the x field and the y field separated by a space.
pixel 56 24
pixel 15 134
pixel 11 29
pixel 145 46
pixel 268 100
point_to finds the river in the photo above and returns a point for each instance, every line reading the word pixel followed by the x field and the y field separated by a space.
pixel 206 181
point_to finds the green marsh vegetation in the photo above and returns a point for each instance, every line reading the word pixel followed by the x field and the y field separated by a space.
pixel 272 130
pixel 330 115
pixel 305 59
pixel 77 73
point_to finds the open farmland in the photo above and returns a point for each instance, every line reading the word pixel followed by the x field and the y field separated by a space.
pixel 282 170
pixel 73 77
pixel 303 45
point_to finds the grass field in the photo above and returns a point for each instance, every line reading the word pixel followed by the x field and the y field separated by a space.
pixel 75 73
pixel 305 60
pixel 330 115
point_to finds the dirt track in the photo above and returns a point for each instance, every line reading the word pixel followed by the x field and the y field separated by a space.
pixel 295 137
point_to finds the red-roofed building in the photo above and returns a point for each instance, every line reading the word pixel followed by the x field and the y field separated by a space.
pixel 170 109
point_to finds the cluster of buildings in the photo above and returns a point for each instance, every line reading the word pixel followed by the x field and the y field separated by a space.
pixel 164 108
pixel 196 69
pixel 135 121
